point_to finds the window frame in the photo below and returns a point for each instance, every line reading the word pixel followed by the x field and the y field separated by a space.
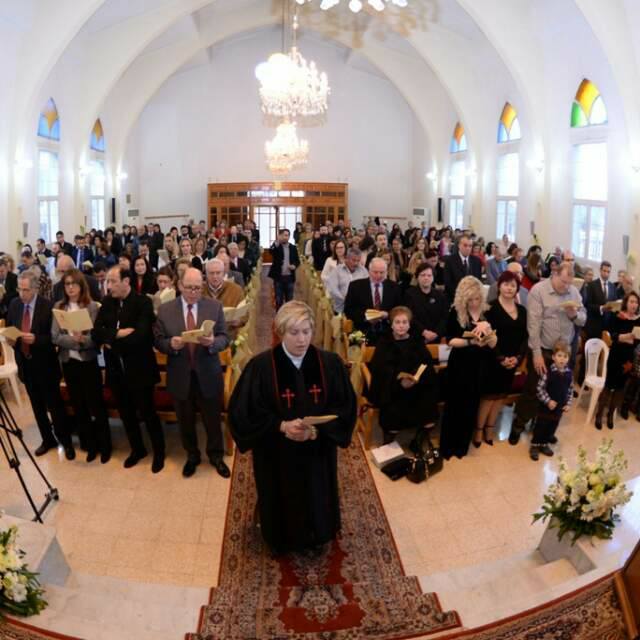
pixel 50 147
pixel 505 149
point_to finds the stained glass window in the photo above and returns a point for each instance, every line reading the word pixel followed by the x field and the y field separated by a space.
pixel 509 127
pixel 588 107
pixel 97 137
pixel 458 140
pixel 49 122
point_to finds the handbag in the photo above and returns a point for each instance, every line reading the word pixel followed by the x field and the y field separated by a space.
pixel 396 469
pixel 424 449
pixel 417 470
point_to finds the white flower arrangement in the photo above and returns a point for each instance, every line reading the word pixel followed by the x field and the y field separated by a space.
pixel 20 591
pixel 357 338
pixel 583 501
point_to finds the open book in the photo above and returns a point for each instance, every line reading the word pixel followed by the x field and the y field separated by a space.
pixel 413 376
pixel 73 321
pixel 614 305
pixel 373 314
pixel 469 335
pixel 233 314
pixel 205 331
pixel 11 333
pixel 163 255
pixel 316 420
pixel 570 304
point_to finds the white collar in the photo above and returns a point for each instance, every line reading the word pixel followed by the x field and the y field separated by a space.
pixel 295 360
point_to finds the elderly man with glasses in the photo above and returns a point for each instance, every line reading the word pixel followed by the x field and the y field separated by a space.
pixel 194 372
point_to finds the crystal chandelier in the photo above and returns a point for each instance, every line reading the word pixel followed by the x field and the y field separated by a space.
pixel 290 86
pixel 356 5
pixel 286 152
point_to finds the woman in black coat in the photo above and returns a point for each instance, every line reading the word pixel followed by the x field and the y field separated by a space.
pixel 403 403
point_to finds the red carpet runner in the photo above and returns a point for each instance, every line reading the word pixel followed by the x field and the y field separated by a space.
pixel 354 589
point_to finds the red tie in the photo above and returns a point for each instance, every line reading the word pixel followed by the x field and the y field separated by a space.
pixel 376 296
pixel 25 328
pixel 191 325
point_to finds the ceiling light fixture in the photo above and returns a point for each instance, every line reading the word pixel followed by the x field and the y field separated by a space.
pixel 357 5
pixel 286 151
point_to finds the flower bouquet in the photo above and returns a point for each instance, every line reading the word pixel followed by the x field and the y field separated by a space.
pixel 356 339
pixel 20 591
pixel 583 501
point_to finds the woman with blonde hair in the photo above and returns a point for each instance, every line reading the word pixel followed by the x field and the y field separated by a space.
pixel 294 460
pixel 472 342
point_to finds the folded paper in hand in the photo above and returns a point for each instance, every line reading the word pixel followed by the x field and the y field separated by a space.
pixel 570 304
pixel 11 333
pixel 205 331
pixel 73 321
pixel 316 420
pixel 373 314
pixel 614 305
pixel 413 376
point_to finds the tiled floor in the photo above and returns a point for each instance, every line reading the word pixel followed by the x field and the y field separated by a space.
pixel 164 528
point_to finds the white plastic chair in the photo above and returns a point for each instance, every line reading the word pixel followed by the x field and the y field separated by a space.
pixel 596 354
pixel 9 370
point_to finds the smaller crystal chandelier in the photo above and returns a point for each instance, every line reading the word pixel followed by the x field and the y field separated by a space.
pixel 356 5
pixel 286 152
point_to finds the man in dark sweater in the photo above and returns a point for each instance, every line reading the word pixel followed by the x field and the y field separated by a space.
pixel 555 392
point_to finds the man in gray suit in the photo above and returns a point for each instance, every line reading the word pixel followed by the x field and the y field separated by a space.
pixel 194 373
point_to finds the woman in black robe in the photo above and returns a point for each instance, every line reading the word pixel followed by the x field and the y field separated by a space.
pixel 620 359
pixel 469 362
pixel 403 404
pixel 295 462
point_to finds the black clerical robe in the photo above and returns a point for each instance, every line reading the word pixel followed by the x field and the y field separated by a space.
pixel 297 482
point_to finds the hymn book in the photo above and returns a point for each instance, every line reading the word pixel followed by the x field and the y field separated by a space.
pixel 413 376
pixel 163 254
pixel 316 420
pixel 73 321
pixel 613 305
pixel 387 453
pixel 205 331
pixel 570 304
pixel 469 335
pixel 233 314
pixel 11 333
pixel 374 314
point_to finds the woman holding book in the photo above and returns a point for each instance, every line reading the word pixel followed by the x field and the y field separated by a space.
pixel 623 342
pixel 509 320
pixel 472 341
pixel 78 356
pixel 406 400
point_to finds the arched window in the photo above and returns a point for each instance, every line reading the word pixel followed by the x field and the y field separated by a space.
pixel 509 127
pixel 49 122
pixel 588 107
pixel 458 140
pixel 97 137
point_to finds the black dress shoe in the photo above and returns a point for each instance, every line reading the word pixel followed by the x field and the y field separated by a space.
pixel 189 468
pixel 92 455
pixel 514 437
pixel 69 452
pixel 624 412
pixel 158 464
pixel 553 440
pixel 43 448
pixel 221 467
pixel 105 456
pixel 133 459
pixel 609 422
pixel 598 423
pixel 546 450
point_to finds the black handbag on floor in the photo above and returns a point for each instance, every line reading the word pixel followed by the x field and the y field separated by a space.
pixel 418 470
pixel 426 451
pixel 396 469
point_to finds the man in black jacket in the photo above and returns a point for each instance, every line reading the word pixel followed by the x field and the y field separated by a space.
pixel 459 265
pixel 598 293
pixel 125 327
pixel 38 366
pixel 8 287
pixel 374 292
pixel 321 248
pixel 284 263
pixel 66 247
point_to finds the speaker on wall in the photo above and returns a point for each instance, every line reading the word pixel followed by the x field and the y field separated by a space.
pixel 440 209
pixel 113 210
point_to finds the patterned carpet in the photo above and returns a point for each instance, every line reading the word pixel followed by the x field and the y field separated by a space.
pixel 354 589
pixel 591 613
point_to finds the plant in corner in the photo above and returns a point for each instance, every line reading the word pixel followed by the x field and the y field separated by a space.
pixel 20 591
pixel 582 502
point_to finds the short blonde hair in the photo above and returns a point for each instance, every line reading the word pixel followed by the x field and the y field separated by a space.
pixel 292 313
pixel 469 287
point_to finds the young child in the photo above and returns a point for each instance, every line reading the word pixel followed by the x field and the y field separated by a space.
pixel 555 392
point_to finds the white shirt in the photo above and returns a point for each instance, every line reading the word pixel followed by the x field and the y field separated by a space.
pixel 295 360
pixel 185 311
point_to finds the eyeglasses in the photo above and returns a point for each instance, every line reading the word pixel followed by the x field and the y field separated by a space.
pixel 192 289
pixel 70 284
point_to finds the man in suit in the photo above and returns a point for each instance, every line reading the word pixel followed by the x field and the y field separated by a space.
pixel 80 253
pixel 284 263
pixel 194 373
pixel 64 265
pixel 9 287
pixel 321 248
pixel 598 293
pixel 41 248
pixel 374 292
pixel 65 246
pixel 237 263
pixel 459 265
pixel 125 327
pixel 38 366
pixel 235 235
pixel 378 249
pixel 229 273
